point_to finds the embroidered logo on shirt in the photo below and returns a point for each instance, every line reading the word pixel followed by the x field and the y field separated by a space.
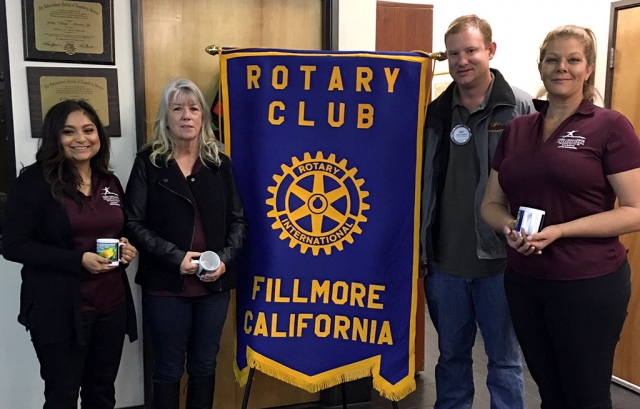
pixel 112 198
pixel 495 127
pixel 571 141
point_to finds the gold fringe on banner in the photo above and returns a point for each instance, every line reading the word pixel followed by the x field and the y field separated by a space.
pixel 358 370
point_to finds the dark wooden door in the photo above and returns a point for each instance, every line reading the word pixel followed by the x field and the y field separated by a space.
pixel 404 26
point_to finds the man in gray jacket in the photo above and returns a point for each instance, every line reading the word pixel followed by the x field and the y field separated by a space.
pixel 464 258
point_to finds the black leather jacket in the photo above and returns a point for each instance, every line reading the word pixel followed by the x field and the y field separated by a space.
pixel 161 219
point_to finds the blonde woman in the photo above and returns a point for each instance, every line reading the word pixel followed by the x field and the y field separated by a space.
pixel 568 286
pixel 183 201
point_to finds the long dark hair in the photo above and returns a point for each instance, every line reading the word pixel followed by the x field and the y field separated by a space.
pixel 61 174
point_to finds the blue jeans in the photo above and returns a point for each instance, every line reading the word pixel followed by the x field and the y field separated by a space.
pixel 455 305
pixel 185 326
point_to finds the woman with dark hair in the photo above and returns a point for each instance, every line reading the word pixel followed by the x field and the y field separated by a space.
pixel 76 304
pixel 568 286
pixel 181 201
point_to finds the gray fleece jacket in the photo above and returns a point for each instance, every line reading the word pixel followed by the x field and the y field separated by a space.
pixel 505 103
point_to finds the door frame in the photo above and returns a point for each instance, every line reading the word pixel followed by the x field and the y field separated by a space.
pixel 4 63
pixel 613 27
pixel 329 42
pixel 9 159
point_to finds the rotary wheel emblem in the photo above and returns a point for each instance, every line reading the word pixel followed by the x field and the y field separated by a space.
pixel 317 203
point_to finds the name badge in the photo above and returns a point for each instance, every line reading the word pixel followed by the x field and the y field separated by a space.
pixel 461 134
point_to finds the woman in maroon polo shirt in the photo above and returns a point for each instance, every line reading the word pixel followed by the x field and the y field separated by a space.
pixel 76 307
pixel 568 286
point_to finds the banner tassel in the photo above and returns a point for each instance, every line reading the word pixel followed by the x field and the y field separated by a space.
pixel 398 391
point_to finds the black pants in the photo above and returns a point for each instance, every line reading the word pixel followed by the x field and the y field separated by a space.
pixel 568 331
pixel 68 368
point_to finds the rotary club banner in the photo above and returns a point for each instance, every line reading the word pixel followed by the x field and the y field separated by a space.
pixel 326 150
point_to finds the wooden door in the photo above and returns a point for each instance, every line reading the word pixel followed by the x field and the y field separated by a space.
pixel 177 32
pixel 622 95
pixel 175 35
pixel 407 27
pixel 404 26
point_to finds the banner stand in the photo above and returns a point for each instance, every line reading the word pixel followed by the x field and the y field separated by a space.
pixel 247 392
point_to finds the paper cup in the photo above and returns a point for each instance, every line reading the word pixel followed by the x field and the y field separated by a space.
pixel 529 219
pixel 109 248
pixel 208 262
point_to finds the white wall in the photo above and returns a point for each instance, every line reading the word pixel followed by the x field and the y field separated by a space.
pixel 20 383
pixel 357 25
pixel 518 28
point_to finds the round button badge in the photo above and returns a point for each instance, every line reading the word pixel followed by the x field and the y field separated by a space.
pixel 461 134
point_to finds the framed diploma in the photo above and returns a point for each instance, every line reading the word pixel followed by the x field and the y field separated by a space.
pixel 98 86
pixel 68 31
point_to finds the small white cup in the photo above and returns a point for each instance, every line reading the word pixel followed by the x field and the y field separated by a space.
pixel 529 219
pixel 208 262
pixel 110 248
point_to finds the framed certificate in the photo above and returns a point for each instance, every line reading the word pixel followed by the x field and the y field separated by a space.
pixel 440 82
pixel 68 31
pixel 98 86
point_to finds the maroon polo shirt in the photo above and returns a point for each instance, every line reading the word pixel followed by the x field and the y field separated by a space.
pixel 193 286
pixel 567 177
pixel 99 217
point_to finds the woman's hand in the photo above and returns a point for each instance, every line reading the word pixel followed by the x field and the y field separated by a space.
pixel 187 266
pixel 96 264
pixel 215 274
pixel 547 236
pixel 519 242
pixel 128 252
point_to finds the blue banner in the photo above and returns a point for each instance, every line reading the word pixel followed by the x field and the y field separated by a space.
pixel 326 150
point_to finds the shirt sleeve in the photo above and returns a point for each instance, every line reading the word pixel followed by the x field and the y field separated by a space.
pixel 622 149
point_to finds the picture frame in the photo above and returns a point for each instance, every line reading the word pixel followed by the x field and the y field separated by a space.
pixel 439 83
pixel 50 85
pixel 68 31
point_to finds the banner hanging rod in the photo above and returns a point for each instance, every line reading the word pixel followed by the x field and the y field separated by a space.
pixel 438 56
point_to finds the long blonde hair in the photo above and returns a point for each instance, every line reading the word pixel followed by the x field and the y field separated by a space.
pixel 163 144
pixel 588 39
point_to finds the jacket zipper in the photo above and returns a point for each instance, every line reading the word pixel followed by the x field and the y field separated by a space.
pixel 193 232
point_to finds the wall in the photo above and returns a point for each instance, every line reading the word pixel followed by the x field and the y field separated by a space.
pixel 357 25
pixel 20 383
pixel 518 29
